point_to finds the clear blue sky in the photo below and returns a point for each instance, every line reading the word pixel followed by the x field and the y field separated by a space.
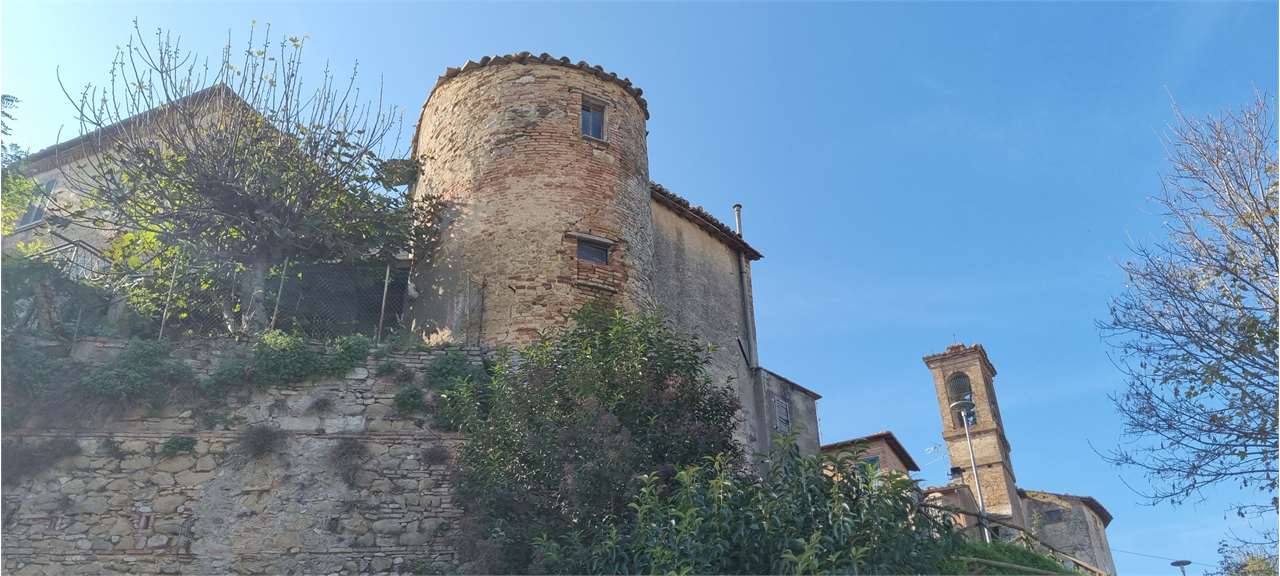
pixel 915 174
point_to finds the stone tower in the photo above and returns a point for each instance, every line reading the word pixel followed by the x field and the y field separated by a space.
pixel 964 373
pixel 542 168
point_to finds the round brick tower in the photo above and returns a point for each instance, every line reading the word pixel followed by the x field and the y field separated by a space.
pixel 542 169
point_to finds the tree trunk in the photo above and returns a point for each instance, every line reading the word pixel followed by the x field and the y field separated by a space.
pixel 253 305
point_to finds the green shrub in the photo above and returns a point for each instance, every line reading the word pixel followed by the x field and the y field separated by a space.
pixel 22 461
pixel 451 368
pixel 1000 552
pixel 408 400
pixel 466 402
pixel 812 515
pixel 557 438
pixel 349 352
pixel 387 368
pixel 143 371
pixel 30 373
pixel 230 375
pixel 175 445
pixel 281 358
pixel 260 440
pixel 346 457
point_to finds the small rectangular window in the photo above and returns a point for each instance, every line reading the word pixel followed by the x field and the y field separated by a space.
pixel 872 461
pixel 35 210
pixel 782 415
pixel 595 252
pixel 593 119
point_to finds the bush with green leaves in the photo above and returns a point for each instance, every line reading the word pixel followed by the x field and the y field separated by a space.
pixel 176 445
pixel 961 560
pixel 454 367
pixel 557 438
pixel 409 400
pixel 37 382
pixel 143 371
pixel 810 515
pixel 281 358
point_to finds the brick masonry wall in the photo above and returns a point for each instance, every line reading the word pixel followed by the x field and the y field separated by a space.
pixel 218 512
pixel 503 149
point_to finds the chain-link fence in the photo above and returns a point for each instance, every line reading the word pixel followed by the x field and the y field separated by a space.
pixel 73 292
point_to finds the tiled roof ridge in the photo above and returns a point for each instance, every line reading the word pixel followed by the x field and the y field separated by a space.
pixel 544 58
pixel 704 219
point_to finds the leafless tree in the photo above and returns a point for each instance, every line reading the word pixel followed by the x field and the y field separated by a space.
pixel 1196 329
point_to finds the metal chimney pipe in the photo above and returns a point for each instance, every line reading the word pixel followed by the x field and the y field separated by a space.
pixel 737 218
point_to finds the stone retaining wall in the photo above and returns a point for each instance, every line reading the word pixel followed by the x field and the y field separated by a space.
pixel 217 511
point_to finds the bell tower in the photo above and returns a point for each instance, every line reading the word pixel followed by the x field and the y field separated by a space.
pixel 962 379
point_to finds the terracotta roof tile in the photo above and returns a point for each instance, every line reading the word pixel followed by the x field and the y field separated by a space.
pixel 547 59
pixel 704 219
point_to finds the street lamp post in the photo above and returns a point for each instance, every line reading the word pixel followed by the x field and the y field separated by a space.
pixel 965 408
pixel 1182 565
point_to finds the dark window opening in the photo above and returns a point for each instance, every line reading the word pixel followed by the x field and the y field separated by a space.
pixel 594 252
pixel 1053 516
pixel 593 120
pixel 958 388
pixel 872 461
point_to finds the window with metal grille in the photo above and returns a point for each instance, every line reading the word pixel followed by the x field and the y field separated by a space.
pixel 592 119
pixel 594 252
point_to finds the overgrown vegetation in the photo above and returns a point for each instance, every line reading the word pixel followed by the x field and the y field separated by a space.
pixel 56 388
pixel 409 400
pixel 261 440
pixel 346 457
pixel 176 445
pixel 287 177
pixel 24 460
pixel 811 515
pixel 142 372
pixel 39 382
pixel 558 438
pixel 959 562
pixel 452 369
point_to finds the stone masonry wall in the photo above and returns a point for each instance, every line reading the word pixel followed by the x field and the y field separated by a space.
pixel 216 511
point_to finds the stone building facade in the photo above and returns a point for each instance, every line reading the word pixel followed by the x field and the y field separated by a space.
pixel 541 168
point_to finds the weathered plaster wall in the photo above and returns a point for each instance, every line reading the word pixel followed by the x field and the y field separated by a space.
pixel 697 286
pixel 1066 523
pixel 217 511
pixel 503 148
pixel 802 406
